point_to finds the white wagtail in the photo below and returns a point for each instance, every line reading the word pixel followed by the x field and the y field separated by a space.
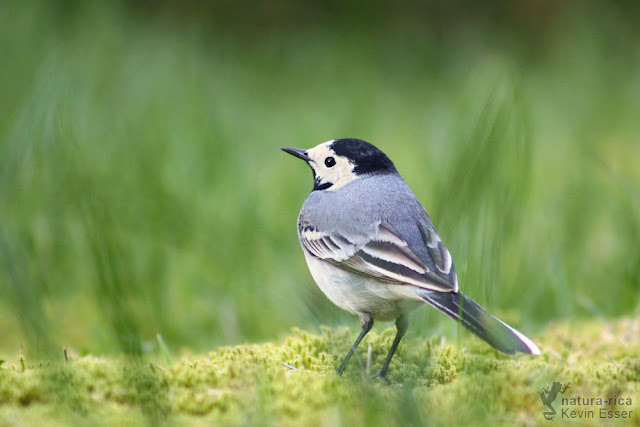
pixel 374 252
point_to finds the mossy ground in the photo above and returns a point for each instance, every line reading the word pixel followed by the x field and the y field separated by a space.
pixel 430 381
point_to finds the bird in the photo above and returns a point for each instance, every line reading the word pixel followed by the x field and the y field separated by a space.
pixel 374 252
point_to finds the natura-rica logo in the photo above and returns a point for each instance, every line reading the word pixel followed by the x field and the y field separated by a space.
pixel 548 395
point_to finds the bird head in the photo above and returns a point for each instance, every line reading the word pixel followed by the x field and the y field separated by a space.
pixel 338 162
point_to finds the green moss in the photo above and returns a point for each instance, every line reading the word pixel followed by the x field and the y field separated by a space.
pixel 293 381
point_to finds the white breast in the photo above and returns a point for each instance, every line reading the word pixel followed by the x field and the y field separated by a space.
pixel 358 294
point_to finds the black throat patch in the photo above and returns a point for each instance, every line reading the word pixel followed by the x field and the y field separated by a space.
pixel 317 185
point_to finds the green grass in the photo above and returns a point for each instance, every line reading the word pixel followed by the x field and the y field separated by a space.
pixel 143 192
pixel 431 383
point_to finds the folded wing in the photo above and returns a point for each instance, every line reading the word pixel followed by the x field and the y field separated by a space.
pixel 386 256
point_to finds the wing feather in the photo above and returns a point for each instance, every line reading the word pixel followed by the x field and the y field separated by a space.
pixel 386 256
pixel 438 251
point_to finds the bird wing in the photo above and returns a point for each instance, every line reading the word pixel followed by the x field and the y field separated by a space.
pixel 439 253
pixel 385 256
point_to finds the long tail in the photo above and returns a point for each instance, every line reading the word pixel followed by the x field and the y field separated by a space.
pixel 475 318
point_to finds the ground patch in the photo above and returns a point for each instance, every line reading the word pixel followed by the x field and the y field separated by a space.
pixel 293 382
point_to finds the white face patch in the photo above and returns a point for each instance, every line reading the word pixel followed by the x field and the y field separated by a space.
pixel 326 171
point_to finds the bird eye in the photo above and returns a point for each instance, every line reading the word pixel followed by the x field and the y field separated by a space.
pixel 329 162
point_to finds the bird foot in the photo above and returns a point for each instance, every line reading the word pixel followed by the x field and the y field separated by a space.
pixel 380 376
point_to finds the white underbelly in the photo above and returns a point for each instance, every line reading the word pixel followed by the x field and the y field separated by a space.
pixel 358 294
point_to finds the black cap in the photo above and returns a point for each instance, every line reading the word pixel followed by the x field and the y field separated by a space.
pixel 366 157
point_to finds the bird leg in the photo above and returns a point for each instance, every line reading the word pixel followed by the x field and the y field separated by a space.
pixel 401 325
pixel 367 323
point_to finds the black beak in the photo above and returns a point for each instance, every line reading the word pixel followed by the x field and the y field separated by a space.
pixel 301 154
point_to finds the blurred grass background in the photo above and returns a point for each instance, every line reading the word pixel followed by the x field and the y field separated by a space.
pixel 143 192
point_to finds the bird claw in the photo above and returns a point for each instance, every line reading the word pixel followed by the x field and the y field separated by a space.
pixel 380 376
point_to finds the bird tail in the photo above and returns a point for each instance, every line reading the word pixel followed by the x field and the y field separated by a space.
pixel 475 318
